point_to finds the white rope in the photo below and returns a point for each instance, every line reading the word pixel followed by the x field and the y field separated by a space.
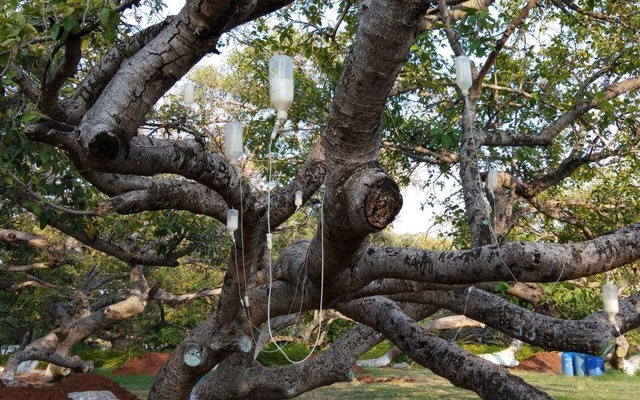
pixel 276 127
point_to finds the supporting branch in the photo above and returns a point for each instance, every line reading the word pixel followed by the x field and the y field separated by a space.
pixel 74 363
pixel 461 368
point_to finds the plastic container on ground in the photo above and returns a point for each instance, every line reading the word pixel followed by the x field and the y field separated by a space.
pixel 579 364
pixel 567 363
pixel 595 365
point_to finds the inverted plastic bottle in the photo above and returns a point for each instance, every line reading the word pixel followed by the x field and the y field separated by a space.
pixel 610 301
pixel 281 84
pixel 232 220
pixel 298 198
pixel 188 93
pixel 233 146
pixel 492 180
pixel 463 74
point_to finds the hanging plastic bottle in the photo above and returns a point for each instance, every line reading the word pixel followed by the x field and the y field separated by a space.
pixel 492 180
pixel 281 84
pixel 610 301
pixel 233 146
pixel 232 220
pixel 463 74
pixel 188 93
pixel 298 198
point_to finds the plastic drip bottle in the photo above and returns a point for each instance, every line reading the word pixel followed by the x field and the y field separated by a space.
pixel 233 147
pixel 188 93
pixel 232 220
pixel 610 301
pixel 463 74
pixel 281 84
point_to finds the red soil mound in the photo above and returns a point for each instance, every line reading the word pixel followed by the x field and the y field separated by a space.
pixel 146 364
pixel 59 391
pixel 542 362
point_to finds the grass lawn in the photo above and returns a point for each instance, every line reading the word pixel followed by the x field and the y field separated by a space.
pixel 136 384
pixel 613 385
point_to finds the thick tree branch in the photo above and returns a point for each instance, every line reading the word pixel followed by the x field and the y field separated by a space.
pixel 450 322
pixel 443 358
pixel 355 185
pixel 74 363
pixel 100 75
pixel 528 262
pixel 593 335
pixel 167 195
pixel 65 69
pixel 330 366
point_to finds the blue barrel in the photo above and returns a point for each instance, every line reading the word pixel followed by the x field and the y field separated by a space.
pixel 595 365
pixel 579 364
pixel 567 363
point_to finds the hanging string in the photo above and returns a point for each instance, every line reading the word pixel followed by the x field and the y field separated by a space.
pixel 468 116
pixel 276 127
pixel 464 311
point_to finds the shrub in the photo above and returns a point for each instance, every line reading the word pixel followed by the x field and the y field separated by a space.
pixel 270 356
pixel 103 358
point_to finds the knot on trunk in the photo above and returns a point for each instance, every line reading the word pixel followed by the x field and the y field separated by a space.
pixel 382 204
pixel 373 197
pixel 100 143
pixel 104 146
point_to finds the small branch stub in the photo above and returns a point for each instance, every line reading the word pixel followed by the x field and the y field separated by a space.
pixel 193 355
pixel 382 204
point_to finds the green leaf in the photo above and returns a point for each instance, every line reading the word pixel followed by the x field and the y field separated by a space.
pixel 30 116
pixel 104 16
pixel 55 31
pixel 71 24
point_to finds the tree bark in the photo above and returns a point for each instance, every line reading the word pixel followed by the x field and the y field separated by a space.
pixel 75 364
pixel 462 369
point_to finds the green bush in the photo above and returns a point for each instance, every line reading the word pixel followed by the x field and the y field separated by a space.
pixel 338 328
pixel 104 358
pixel 481 348
pixel 525 351
pixel 270 356
pixel 377 350
pixel 4 358
pixel 163 337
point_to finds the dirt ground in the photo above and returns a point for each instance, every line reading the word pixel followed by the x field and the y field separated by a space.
pixel 60 391
pixel 146 364
pixel 150 363
pixel 542 362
